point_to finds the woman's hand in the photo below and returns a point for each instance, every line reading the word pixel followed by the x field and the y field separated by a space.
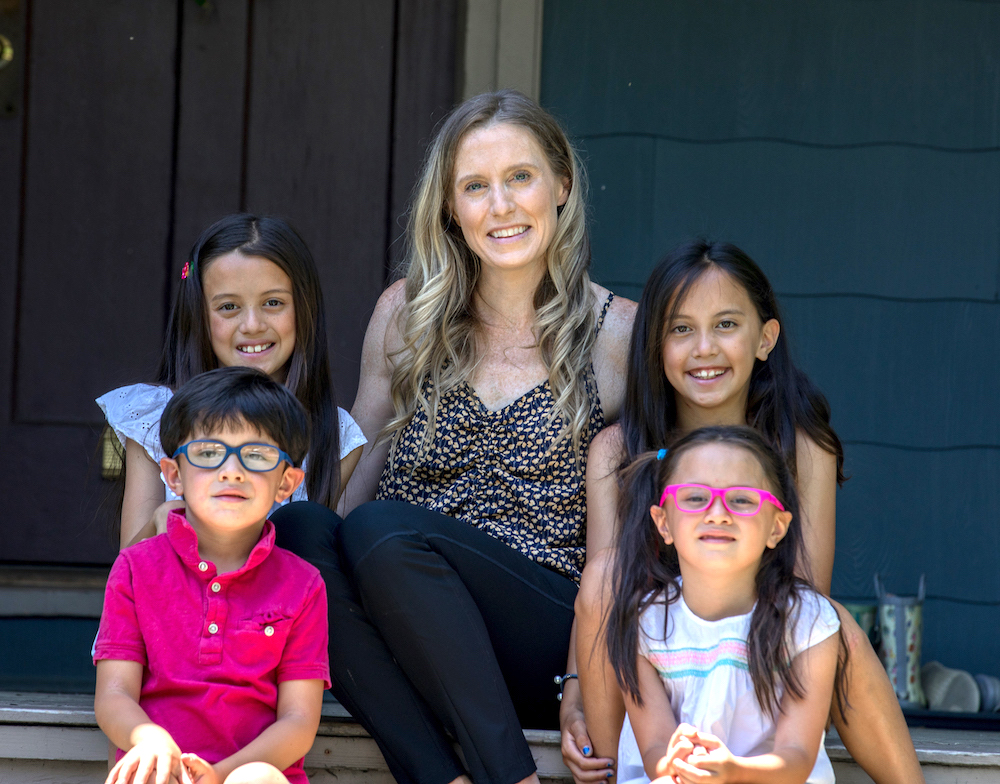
pixel 576 746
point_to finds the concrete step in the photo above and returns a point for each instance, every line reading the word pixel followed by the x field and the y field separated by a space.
pixel 54 738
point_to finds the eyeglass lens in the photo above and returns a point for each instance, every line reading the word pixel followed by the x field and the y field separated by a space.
pixel 738 500
pixel 212 454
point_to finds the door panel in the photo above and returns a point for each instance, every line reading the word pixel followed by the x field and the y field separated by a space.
pixel 143 123
pixel 98 171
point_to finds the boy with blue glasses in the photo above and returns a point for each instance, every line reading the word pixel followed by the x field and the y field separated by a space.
pixel 212 651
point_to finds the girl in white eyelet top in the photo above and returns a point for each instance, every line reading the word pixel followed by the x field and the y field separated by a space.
pixel 249 295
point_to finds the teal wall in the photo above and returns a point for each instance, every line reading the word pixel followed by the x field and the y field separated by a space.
pixel 852 147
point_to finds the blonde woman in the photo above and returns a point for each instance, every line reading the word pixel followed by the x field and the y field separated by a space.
pixel 486 373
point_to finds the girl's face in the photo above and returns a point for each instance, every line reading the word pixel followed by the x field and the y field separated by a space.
pixel 505 196
pixel 251 313
pixel 716 540
pixel 709 349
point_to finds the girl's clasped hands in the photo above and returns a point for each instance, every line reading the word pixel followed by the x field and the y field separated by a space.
pixel 694 756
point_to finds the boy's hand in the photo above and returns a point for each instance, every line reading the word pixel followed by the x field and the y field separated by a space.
pixel 154 759
pixel 197 771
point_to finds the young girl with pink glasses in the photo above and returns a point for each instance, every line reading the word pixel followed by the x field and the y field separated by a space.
pixel 726 657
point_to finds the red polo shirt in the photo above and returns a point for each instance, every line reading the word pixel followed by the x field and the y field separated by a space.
pixel 214 647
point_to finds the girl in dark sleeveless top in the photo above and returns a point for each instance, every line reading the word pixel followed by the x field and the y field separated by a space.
pixel 485 375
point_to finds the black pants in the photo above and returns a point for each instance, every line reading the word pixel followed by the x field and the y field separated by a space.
pixel 436 629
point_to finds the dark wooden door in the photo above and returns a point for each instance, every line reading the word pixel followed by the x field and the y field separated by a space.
pixel 125 129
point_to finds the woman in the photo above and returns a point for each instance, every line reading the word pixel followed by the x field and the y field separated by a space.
pixel 485 375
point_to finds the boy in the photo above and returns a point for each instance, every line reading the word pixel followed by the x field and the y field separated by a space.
pixel 213 642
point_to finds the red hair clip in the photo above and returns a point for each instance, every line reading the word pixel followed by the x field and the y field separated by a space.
pixel 185 270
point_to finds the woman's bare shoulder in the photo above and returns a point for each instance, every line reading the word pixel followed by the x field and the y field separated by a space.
pixel 611 350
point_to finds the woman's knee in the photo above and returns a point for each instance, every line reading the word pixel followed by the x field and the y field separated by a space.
pixel 375 527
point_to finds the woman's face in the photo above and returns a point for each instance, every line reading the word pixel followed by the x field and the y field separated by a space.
pixel 709 350
pixel 251 314
pixel 504 196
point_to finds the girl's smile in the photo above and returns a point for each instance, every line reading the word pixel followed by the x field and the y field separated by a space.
pixel 251 313
pixel 710 347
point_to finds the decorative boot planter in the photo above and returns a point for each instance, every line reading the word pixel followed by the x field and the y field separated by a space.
pixel 900 623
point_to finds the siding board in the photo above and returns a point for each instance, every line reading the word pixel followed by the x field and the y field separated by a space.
pixel 923 72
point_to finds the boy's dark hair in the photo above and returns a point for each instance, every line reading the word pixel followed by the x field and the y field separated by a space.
pixel 187 350
pixel 232 397
pixel 646 570
pixel 782 399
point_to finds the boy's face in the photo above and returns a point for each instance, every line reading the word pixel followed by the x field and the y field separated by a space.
pixel 230 497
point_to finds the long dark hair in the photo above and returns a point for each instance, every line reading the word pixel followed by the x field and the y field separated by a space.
pixel 646 570
pixel 187 350
pixel 782 399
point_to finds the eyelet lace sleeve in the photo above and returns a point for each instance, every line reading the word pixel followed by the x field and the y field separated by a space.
pixel 134 412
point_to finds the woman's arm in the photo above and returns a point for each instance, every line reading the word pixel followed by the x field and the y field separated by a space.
pixel 592 710
pixel 797 736
pixel 611 351
pixel 816 481
pixel 373 405
pixel 144 493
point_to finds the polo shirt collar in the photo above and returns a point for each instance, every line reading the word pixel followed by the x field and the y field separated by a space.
pixel 184 540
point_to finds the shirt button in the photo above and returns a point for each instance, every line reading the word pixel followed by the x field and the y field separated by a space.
pixel 269 631
pixel 213 628
pixel 216 587
pixel 203 567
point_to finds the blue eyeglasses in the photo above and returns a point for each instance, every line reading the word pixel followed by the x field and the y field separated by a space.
pixel 253 457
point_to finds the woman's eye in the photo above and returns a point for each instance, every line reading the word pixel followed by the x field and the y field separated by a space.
pixel 680 329
pixel 273 303
pixel 522 176
pixel 727 324
pixel 227 306
pixel 473 187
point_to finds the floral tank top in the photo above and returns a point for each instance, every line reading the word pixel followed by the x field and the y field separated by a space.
pixel 494 470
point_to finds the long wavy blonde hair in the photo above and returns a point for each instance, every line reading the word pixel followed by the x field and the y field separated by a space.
pixel 438 323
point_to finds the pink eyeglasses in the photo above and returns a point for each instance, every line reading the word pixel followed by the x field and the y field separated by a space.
pixel 742 501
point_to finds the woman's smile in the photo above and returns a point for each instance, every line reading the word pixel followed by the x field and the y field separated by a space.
pixel 506 197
